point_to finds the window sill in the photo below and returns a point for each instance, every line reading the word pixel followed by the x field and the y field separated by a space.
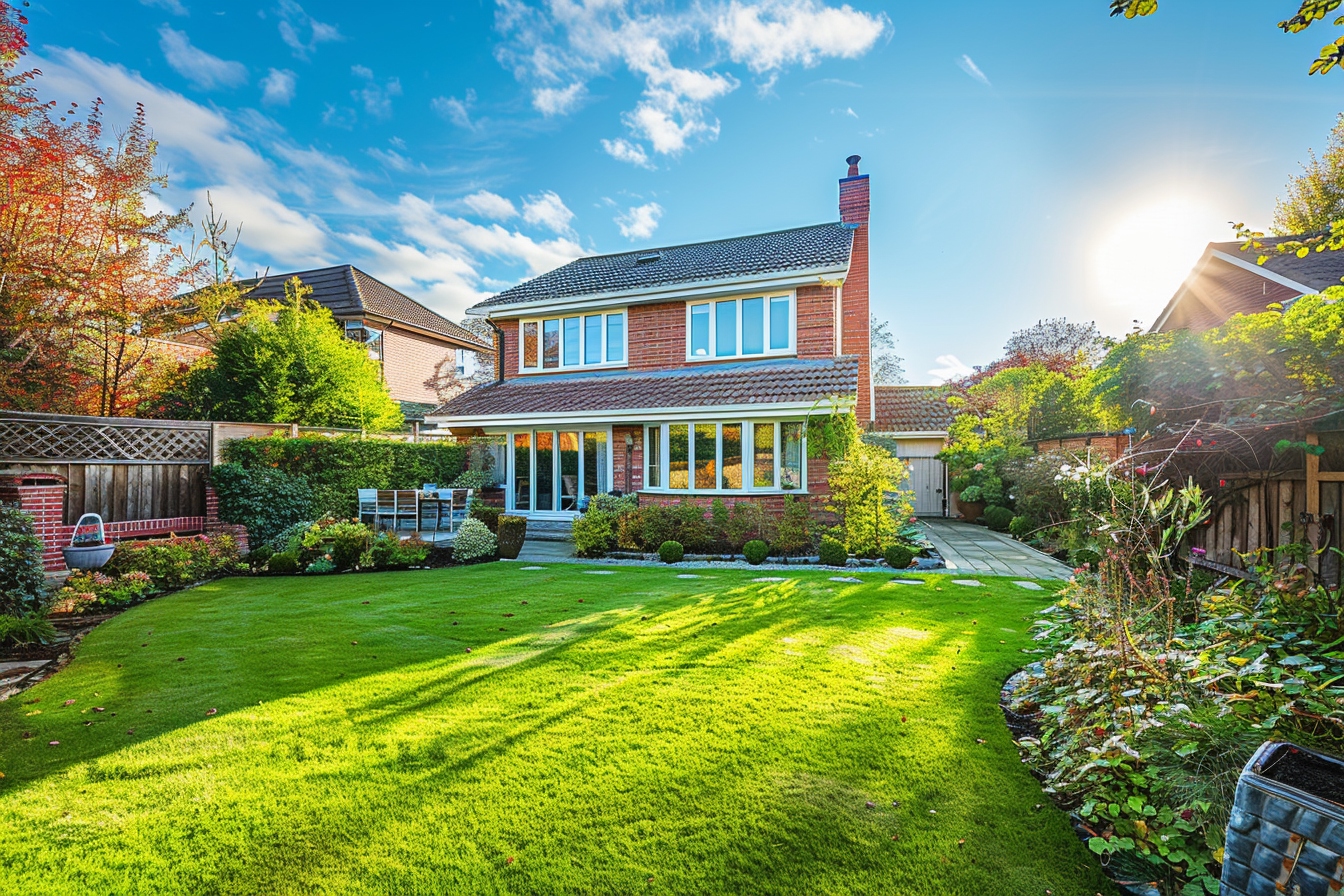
pixel 765 356
pixel 724 493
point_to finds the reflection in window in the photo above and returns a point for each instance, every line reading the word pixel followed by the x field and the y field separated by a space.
pixel 571 341
pixel 700 331
pixel 550 343
pixel 791 470
pixel 530 345
pixel 616 337
pixel 725 329
pixel 731 460
pixel 652 446
pixel 569 470
pixel 779 323
pixel 592 339
pixel 594 463
pixel 753 326
pixel 372 339
pixel 545 474
pixel 705 438
pixel 522 472
pixel 763 439
pixel 678 456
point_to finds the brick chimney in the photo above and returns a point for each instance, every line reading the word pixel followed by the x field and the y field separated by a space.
pixel 854 337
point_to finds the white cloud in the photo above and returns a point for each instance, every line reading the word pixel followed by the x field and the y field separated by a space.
pixel 197 66
pixel 625 151
pixel 377 99
pixel 277 88
pixel 950 367
pixel 549 211
pixel 640 222
pixel 173 6
pixel 490 205
pixel 776 33
pixel 294 21
pixel 338 116
pixel 458 111
pixel 558 100
pixel 968 65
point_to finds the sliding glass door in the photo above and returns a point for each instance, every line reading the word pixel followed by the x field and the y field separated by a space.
pixel 553 470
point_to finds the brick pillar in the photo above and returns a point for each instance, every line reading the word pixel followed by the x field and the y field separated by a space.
pixel 854 337
pixel 214 524
pixel 42 497
pixel 636 455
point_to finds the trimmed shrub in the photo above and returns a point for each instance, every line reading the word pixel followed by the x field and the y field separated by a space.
pixel 320 565
pixel 693 530
pixel 258 556
pixel 26 629
pixel 23 586
pixel 658 523
pixel 997 518
pixel 833 552
pixel 1021 526
pixel 265 500
pixel 755 551
pixel 794 533
pixel 898 556
pixel 594 533
pixel 512 534
pixel 104 590
pixel 671 552
pixel 284 563
pixel 176 562
pixel 389 551
pixel 747 521
pixel 615 504
pixel 479 510
pixel 474 542
pixel 630 531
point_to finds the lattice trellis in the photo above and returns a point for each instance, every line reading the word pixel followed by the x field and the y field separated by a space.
pixel 70 442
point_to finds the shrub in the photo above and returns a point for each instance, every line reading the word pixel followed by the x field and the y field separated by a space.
pixel 863 492
pixel 630 531
pixel 693 530
pixel 389 551
pixel 512 534
pixel 264 499
pixel 594 533
pixel 658 523
pixel 321 565
pixel 82 589
pixel 718 525
pixel 290 537
pixel 257 557
pixel 833 552
pixel 33 628
pixel 176 562
pixel 23 585
pixel 284 563
pixel 898 556
pixel 614 504
pixel 671 552
pixel 998 518
pixel 794 534
pixel 479 510
pixel 746 522
pixel 755 552
pixel 344 541
pixel 1020 527
pixel 474 542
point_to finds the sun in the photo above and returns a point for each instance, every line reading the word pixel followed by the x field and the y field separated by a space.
pixel 1142 260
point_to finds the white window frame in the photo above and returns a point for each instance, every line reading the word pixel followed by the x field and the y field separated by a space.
pixel 749 486
pixel 583 335
pixel 511 479
pixel 791 349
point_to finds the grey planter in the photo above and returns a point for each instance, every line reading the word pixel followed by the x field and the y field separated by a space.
pixel 93 556
pixel 1286 832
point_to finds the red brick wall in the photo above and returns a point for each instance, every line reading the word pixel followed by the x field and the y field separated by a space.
pixel 408 363
pixel 816 321
pixel 1112 446
pixel 854 339
pixel 618 466
pixel 657 336
pixel 510 328
pixel 817 492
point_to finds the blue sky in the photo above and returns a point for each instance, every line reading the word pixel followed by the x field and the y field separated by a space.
pixel 1027 160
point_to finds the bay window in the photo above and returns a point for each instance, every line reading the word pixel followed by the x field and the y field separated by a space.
pixel 573 342
pixel 740 328
pixel 725 457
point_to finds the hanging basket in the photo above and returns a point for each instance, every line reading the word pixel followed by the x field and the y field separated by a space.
pixel 89 547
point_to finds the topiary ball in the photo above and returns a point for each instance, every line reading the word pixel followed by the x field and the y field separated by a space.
pixel 283 563
pixel 997 518
pixel 755 551
pixel 898 556
pixel 671 552
pixel 833 552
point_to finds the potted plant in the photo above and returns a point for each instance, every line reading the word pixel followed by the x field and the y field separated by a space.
pixel 89 547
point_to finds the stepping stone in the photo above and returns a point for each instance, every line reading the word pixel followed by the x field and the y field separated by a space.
pixel 969 583
pixel 1030 586
pixel 846 579
pixel 904 581
pixel 771 579
pixel 688 575
pixel 598 572
pixel 529 568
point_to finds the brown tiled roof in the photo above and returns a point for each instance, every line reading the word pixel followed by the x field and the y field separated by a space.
pixel 350 293
pixel 1316 269
pixel 783 381
pixel 912 409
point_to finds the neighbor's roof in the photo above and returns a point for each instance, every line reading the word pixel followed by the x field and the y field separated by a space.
pixel 819 247
pixel 1316 270
pixel 785 381
pixel 912 409
pixel 349 292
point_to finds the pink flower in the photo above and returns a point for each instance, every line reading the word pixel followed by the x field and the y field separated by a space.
pixel 978 467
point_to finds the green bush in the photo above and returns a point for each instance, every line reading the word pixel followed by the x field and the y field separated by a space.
pixel 1020 526
pixel 746 522
pixel 512 534
pixel 320 565
pixel 671 552
pixel 479 510
pixel 258 556
pixel 998 518
pixel 474 542
pixel 898 556
pixel 833 552
pixel 389 551
pixel 614 504
pixel 265 500
pixel 105 590
pixel 283 563
pixel 23 585
pixel 176 562
pixel 27 629
pixel 657 524
pixel 341 541
pixel 794 532
pixel 755 552
pixel 594 533
pixel 693 530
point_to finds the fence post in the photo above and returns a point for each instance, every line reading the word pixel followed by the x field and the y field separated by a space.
pixel 293 430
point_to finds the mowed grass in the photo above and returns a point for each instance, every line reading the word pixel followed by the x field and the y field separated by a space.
pixel 626 733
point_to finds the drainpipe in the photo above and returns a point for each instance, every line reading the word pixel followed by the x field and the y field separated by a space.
pixel 499 350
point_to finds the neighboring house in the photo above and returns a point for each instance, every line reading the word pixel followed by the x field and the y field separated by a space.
pixel 912 423
pixel 1227 281
pixel 405 337
pixel 681 372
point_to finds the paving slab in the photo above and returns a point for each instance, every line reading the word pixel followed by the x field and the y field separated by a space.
pixel 972 548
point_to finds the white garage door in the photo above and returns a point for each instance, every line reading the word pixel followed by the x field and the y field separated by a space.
pixel 928 482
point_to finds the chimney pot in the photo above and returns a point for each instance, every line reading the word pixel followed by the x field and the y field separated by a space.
pixel 853 165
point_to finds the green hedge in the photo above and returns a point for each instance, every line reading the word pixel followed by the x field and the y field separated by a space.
pixel 337 467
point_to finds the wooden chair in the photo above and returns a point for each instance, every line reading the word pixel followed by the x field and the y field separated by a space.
pixel 368 505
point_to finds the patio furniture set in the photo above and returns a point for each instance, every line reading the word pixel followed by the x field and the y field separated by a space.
pixel 426 509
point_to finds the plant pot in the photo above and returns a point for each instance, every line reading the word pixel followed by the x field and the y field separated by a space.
pixel 93 556
pixel 971 510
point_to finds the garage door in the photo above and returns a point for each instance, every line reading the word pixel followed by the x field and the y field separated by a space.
pixel 927 475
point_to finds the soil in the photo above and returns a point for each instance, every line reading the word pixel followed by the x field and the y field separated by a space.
pixel 1314 774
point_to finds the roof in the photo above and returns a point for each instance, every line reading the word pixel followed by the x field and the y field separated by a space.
pixel 912 409
pixel 783 381
pixel 1316 270
pixel 819 247
pixel 349 292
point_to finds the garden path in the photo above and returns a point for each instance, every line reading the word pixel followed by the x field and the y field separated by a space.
pixel 974 548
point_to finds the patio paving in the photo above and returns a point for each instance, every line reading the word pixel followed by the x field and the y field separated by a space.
pixel 971 548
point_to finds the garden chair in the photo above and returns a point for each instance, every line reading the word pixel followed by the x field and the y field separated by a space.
pixel 385 508
pixel 457 507
pixel 407 507
pixel 368 505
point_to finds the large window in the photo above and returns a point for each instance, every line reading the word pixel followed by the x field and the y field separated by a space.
pixel 569 343
pixel 726 457
pixel 739 328
pixel 371 339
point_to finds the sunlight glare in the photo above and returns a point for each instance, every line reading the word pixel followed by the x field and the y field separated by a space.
pixel 1143 259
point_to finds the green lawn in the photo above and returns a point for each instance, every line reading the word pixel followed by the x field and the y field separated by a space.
pixel 624 733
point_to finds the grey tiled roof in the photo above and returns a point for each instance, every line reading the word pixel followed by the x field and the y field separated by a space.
pixel 1317 270
pixel 821 246
pixel 912 409
pixel 787 380
pixel 350 293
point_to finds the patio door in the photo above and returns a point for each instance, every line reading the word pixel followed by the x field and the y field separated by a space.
pixel 552 470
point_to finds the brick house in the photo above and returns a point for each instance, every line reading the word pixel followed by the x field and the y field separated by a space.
pixel 1227 281
pixel 685 372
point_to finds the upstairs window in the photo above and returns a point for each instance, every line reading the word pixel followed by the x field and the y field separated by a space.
pixel 367 336
pixel 572 343
pixel 740 328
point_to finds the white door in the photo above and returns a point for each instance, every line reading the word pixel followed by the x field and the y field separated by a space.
pixel 928 482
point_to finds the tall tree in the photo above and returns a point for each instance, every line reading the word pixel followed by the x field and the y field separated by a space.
pixel 887 367
pixel 1314 199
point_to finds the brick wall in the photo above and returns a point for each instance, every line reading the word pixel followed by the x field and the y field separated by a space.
pixel 408 362
pixel 658 336
pixel 854 207
pixel 1108 444
pixel 817 491
pixel 510 329
pixel 618 466
pixel 816 321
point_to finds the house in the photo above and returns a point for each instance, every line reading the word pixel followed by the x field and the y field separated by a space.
pixel 1227 281
pixel 683 372
pixel 912 423
pixel 411 342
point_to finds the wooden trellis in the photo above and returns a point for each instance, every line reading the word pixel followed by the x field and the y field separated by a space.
pixel 46 438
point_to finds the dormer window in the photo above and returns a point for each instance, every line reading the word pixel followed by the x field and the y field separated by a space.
pixel 740 328
pixel 573 342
